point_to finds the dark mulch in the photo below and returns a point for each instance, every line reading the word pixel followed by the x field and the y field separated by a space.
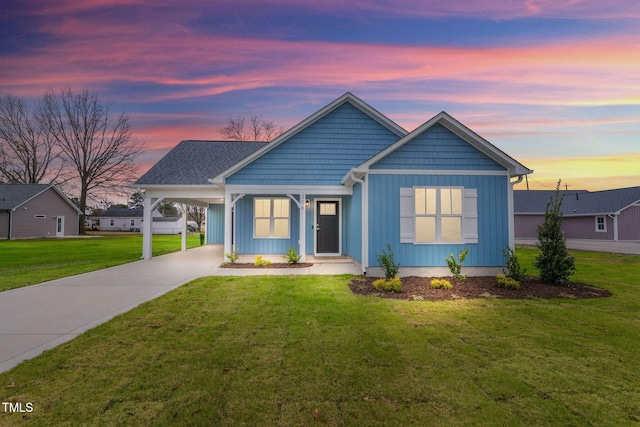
pixel 272 265
pixel 418 288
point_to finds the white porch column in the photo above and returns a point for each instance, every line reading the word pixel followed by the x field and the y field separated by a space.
pixel 303 228
pixel 147 236
pixel 184 227
pixel 365 223
pixel 228 205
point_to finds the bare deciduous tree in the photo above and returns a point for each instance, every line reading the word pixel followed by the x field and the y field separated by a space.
pixel 27 149
pixel 258 129
pixel 197 214
pixel 96 144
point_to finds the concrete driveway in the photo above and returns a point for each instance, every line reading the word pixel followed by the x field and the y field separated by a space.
pixel 39 317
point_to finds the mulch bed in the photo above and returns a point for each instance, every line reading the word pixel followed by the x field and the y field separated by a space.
pixel 272 265
pixel 418 288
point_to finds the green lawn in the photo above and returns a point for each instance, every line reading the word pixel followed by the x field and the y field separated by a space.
pixel 305 351
pixel 25 262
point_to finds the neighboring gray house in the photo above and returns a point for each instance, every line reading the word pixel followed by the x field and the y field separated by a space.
pixel 599 215
pixel 36 210
pixel 124 219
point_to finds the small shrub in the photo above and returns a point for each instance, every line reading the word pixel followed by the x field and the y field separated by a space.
pixel 201 238
pixel 456 266
pixel 514 270
pixel 441 284
pixel 388 263
pixel 259 262
pixel 394 284
pixel 233 256
pixel 507 282
pixel 292 256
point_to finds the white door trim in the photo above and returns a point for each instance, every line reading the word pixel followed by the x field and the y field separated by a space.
pixel 315 224
pixel 59 226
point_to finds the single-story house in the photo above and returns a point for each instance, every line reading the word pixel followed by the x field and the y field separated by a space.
pixel 36 210
pixel 124 219
pixel 347 180
pixel 599 215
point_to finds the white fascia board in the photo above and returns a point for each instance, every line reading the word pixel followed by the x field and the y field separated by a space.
pixel 437 172
pixel 184 191
pixel 329 190
pixel 65 198
pixel 347 97
pixel 513 166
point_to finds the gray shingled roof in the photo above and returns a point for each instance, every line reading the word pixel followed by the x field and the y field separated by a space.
pixel 14 195
pixel 195 162
pixel 577 202
pixel 121 213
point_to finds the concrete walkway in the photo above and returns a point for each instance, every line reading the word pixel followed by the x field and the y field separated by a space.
pixel 39 317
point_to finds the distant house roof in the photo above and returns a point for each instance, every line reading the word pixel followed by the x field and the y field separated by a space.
pixel 121 213
pixel 195 162
pixel 13 196
pixel 577 202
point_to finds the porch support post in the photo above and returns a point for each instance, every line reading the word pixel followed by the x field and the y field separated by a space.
pixel 147 225
pixel 184 227
pixel 228 205
pixel 303 228
pixel 302 238
pixel 146 228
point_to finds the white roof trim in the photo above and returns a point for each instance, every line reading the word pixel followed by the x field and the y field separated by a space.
pixel 347 97
pixel 513 166
pixel 60 193
pixel 333 190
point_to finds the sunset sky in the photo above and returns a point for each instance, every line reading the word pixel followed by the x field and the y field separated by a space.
pixel 554 83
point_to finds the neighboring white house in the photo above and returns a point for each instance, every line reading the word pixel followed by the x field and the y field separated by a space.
pixel 123 219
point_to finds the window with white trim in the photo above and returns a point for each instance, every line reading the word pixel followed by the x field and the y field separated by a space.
pixel 271 217
pixel 433 215
pixel 601 224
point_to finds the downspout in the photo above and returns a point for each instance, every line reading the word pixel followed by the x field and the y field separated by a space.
pixel 365 221
pixel 614 217
pixel 10 223
pixel 512 218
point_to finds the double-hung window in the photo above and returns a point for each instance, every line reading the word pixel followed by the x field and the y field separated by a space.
pixel 438 215
pixel 271 217
pixel 601 224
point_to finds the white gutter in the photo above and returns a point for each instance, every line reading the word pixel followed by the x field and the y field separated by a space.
pixel 512 231
pixel 614 217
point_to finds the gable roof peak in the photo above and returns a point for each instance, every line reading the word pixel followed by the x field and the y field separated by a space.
pixel 346 97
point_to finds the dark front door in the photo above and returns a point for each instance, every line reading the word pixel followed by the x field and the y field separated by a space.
pixel 328 227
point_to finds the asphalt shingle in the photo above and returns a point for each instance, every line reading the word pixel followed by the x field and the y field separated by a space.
pixel 14 195
pixel 577 202
pixel 195 162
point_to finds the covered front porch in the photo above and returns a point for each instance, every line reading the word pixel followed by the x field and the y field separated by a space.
pixel 265 220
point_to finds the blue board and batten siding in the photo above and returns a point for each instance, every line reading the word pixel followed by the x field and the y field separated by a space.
pixel 437 149
pixel 320 154
pixel 384 220
pixel 215 224
pixel 352 224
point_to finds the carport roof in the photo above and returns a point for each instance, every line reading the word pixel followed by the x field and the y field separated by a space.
pixel 195 162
